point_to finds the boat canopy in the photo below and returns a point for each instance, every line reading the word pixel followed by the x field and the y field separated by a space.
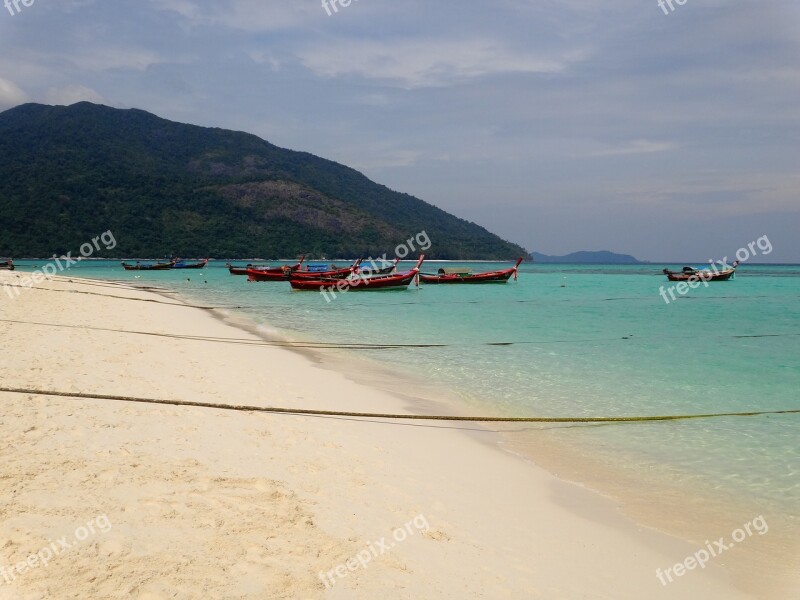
pixel 318 267
pixel 455 271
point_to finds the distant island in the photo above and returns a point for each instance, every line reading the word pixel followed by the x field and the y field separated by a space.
pixel 600 257
pixel 69 173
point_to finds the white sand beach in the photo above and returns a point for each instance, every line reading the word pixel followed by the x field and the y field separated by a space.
pixel 209 503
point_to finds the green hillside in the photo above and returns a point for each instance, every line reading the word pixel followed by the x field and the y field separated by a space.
pixel 68 173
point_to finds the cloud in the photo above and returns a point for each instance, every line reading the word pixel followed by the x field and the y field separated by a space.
pixel 70 94
pixel 385 158
pixel 633 147
pixel 185 8
pixel 10 94
pixel 243 15
pixel 109 57
pixel 414 63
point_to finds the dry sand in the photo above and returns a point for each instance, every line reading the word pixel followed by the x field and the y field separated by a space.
pixel 207 503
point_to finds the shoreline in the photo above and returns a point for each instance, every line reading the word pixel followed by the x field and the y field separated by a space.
pixel 424 471
pixel 641 497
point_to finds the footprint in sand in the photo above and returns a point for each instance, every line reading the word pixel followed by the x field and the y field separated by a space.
pixel 436 535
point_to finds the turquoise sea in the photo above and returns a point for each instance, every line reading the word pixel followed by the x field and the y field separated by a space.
pixel 577 340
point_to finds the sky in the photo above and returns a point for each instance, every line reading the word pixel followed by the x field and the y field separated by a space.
pixel 622 125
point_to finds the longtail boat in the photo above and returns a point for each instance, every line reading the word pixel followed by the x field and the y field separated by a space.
pixel 180 264
pixel 233 270
pixel 701 274
pixel 272 273
pixel 239 270
pixel 446 275
pixel 148 266
pixel 7 264
pixel 332 273
pixel 397 281
pixel 374 269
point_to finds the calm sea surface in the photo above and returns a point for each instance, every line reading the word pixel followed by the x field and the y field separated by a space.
pixel 577 340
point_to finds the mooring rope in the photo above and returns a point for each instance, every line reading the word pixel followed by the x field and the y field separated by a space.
pixel 133 289
pixel 367 345
pixel 342 413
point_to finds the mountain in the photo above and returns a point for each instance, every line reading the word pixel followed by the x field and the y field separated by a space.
pixel 586 257
pixel 69 173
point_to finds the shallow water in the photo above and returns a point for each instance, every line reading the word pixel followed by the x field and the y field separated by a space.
pixel 578 340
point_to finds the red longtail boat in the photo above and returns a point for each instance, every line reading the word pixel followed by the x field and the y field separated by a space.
pixel 443 276
pixel 272 273
pixel 379 282
pixel 375 269
pixel 331 274
pixel 7 264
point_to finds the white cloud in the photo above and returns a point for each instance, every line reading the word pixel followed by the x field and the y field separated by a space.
pixel 265 57
pixel 414 63
pixel 633 147
pixel 70 94
pixel 10 94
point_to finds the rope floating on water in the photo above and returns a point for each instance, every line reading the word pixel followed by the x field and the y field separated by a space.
pixel 341 413
pixel 365 345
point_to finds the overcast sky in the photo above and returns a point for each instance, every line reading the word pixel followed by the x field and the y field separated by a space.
pixel 561 125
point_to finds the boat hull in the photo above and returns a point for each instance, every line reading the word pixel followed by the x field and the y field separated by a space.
pixel 156 267
pixel 267 275
pixel 271 273
pixel 501 276
pixel 332 274
pixel 700 275
pixel 398 281
pixel 243 270
pixel 359 284
pixel 198 265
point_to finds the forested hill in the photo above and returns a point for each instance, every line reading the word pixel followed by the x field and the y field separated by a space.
pixel 68 173
pixel 583 257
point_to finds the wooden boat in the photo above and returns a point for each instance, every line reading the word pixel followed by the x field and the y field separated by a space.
pixel 180 264
pixel 333 273
pixel 396 281
pixel 372 269
pixel 147 266
pixel 465 276
pixel 272 273
pixel 233 270
pixel 8 265
pixel 239 270
pixel 705 274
